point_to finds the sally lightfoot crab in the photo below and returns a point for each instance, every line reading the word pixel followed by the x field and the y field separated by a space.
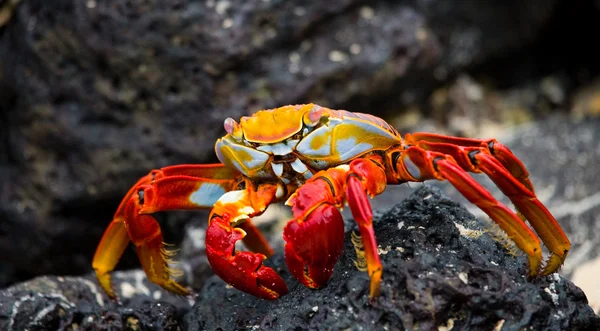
pixel 316 160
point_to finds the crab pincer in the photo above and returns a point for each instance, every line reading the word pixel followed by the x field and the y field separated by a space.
pixel 242 270
pixel 315 237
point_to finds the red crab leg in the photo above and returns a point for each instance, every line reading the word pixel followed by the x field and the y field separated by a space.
pixel 314 238
pixel 440 143
pixel 492 159
pixel 417 164
pixel 177 187
pixel 242 270
pixel 366 178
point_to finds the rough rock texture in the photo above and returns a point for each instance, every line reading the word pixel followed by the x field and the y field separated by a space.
pixel 441 268
pixel 78 303
pixel 93 94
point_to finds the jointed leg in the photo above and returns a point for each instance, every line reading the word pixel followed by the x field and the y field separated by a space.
pixel 146 235
pixel 508 173
pixel 417 164
pixel 453 146
pixel 178 187
pixel 109 251
pixel 366 178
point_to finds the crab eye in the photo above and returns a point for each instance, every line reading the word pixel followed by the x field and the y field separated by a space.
pixel 313 116
pixel 233 128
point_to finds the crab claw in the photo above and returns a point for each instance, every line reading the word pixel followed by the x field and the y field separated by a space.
pixel 242 270
pixel 314 245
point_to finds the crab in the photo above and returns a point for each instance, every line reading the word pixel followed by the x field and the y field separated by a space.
pixel 316 160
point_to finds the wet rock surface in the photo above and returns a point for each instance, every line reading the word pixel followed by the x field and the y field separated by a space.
pixel 441 269
pixel 94 94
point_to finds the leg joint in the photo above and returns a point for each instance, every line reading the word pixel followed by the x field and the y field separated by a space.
pixel 472 157
pixel 491 147
pixel 435 161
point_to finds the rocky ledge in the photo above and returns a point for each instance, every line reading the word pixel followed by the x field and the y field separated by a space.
pixel 443 269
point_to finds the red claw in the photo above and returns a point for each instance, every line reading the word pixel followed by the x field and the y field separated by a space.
pixel 242 270
pixel 314 245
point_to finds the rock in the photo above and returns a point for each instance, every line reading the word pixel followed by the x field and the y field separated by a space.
pixel 95 94
pixel 442 269
pixel 78 303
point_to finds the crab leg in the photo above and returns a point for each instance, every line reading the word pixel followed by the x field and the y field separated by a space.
pixel 146 235
pixel 449 145
pixel 529 205
pixel 242 270
pixel 170 188
pixel 500 165
pixel 417 164
pixel 366 177
pixel 314 238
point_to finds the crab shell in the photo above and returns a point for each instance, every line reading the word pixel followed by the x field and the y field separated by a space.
pixel 319 137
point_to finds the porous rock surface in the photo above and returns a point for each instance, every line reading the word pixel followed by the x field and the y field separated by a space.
pixel 94 94
pixel 78 303
pixel 441 269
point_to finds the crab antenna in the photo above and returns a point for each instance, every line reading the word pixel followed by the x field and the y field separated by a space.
pixel 233 128
pixel 312 117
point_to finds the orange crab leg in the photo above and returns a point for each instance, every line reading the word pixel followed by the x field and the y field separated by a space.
pixel 527 203
pixel 417 164
pixel 114 241
pixel 242 270
pixel 171 188
pixel 109 251
pixel 146 235
pixel 508 173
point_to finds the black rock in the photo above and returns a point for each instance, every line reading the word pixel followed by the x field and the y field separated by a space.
pixel 78 303
pixel 441 268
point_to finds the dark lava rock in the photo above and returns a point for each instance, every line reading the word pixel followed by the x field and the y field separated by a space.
pixel 94 94
pixel 77 303
pixel 442 268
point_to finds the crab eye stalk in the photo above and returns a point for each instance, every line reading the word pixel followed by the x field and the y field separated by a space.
pixel 313 116
pixel 233 128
